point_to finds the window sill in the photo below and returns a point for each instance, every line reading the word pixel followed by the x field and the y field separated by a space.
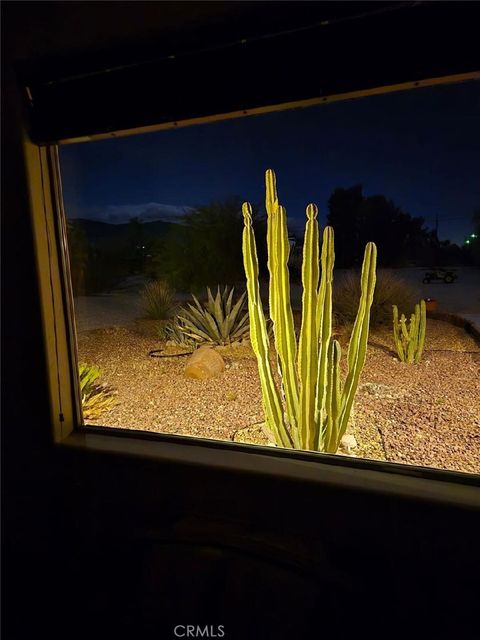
pixel 432 485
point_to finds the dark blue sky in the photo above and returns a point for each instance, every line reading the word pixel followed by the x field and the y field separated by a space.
pixel 420 148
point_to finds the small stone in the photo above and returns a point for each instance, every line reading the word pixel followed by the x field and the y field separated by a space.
pixel 204 363
pixel 375 389
pixel 236 344
pixel 231 395
pixel 348 443
pixel 252 434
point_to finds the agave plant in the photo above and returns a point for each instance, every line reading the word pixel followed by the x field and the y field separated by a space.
pixel 172 330
pixel 217 321
pixel 96 398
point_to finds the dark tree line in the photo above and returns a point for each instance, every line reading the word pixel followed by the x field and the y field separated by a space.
pixel 402 239
pixel 357 219
pixel 205 248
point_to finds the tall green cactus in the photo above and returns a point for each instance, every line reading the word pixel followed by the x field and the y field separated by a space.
pixel 312 408
pixel 409 341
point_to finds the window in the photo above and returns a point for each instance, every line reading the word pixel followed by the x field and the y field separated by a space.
pixel 154 222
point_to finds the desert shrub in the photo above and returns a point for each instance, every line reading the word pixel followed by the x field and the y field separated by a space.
pixel 157 300
pixel 218 320
pixel 206 248
pixel 96 398
pixel 390 289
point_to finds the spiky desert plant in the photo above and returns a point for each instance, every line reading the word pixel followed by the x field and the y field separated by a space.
pixel 410 340
pixel 96 398
pixel 157 300
pixel 317 405
pixel 217 321
pixel 172 330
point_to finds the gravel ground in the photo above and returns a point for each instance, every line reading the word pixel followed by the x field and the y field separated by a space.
pixel 426 414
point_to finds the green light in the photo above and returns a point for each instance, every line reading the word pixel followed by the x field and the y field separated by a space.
pixel 467 241
pixel 473 235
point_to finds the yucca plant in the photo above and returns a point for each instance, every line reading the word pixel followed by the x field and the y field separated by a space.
pixel 312 408
pixel 96 398
pixel 217 321
pixel 157 300
pixel 410 340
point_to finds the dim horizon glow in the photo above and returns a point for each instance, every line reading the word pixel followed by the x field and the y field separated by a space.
pixel 420 149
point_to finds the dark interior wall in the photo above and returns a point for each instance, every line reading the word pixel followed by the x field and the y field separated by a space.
pixel 100 546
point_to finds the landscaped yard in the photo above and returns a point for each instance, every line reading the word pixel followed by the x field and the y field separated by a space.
pixel 425 414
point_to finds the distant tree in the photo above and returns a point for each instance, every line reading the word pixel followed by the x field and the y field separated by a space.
pixel 344 216
pixel 357 219
pixel 205 249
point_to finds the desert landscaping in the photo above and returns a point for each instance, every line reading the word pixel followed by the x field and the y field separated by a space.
pixel 428 414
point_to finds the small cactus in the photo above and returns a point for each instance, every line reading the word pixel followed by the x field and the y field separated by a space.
pixel 409 340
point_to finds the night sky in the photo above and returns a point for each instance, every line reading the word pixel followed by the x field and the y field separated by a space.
pixel 420 148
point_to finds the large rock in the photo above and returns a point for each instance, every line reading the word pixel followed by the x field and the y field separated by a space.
pixel 204 363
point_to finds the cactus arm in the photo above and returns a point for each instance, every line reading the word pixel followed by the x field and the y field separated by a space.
pixel 279 299
pixel 308 342
pixel 367 284
pixel 324 328
pixel 357 349
pixel 396 336
pixel 271 206
pixel 284 331
pixel 258 335
pixel 403 325
pixel 421 330
pixel 413 335
pixel 331 437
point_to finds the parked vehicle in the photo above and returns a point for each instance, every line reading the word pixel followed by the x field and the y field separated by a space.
pixel 447 276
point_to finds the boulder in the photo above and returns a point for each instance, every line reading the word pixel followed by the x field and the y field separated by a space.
pixel 204 363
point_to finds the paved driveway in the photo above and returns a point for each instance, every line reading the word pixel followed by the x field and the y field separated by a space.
pixel 113 309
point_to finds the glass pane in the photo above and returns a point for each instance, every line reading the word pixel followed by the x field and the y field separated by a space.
pixel 155 224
